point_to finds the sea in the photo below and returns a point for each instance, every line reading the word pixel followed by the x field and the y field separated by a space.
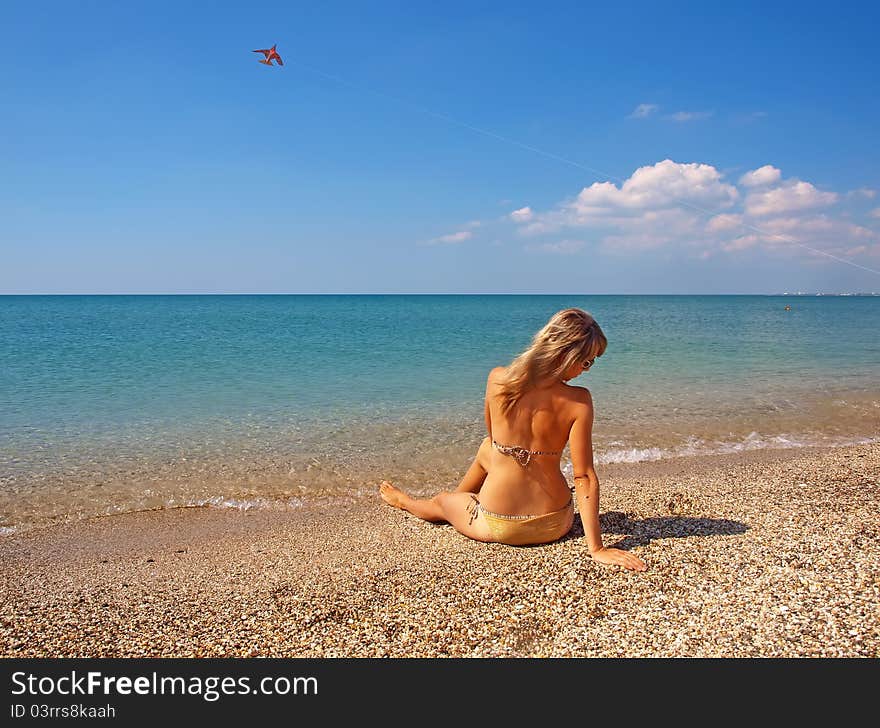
pixel 120 403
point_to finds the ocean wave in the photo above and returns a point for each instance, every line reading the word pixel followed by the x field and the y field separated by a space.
pixel 752 441
pixel 240 504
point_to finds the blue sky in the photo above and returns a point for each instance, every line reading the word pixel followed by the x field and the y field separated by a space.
pixel 733 150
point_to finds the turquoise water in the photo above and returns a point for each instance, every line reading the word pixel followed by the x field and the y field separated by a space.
pixel 113 403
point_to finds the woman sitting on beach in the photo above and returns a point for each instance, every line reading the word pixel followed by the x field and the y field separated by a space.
pixel 530 415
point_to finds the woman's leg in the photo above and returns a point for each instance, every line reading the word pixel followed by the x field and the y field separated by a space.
pixel 453 508
pixel 428 509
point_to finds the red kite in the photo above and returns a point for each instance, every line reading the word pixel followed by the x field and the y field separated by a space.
pixel 271 55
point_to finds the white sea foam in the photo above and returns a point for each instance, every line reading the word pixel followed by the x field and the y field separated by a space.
pixel 632 455
pixel 698 446
pixel 241 504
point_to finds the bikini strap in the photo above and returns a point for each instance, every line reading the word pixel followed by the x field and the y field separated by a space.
pixel 520 454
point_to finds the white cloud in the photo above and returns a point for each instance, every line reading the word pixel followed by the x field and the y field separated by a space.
pixel 809 235
pixel 458 237
pixel 646 210
pixel 473 224
pixel 819 226
pixel 766 175
pixel 654 229
pixel 872 250
pixel 669 205
pixel 635 241
pixel 794 195
pixel 863 192
pixel 562 247
pixel 524 214
pixel 682 116
pixel 740 243
pixel 661 185
pixel 650 193
pixel 642 111
pixel 720 223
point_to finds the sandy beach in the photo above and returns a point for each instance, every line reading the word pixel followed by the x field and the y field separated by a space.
pixel 764 554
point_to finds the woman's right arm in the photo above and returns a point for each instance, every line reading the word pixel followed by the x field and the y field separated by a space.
pixel 586 484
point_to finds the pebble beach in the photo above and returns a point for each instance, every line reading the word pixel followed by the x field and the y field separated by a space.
pixel 770 553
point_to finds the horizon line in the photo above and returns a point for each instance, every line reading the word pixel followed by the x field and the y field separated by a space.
pixel 420 293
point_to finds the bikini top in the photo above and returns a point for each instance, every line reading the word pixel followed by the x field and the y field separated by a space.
pixel 520 454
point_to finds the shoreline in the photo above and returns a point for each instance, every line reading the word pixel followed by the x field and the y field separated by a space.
pixel 270 481
pixel 757 553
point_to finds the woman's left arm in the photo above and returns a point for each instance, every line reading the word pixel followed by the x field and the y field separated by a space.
pixel 586 484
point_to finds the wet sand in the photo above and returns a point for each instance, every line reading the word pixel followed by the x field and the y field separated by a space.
pixel 757 554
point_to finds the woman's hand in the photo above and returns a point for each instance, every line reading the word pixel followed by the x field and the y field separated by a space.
pixel 621 558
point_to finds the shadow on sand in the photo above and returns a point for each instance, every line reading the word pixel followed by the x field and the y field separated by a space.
pixel 640 532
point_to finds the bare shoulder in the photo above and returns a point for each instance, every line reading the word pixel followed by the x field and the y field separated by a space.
pixel 580 397
pixel 496 374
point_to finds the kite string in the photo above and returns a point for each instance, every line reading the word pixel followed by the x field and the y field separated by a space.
pixel 564 160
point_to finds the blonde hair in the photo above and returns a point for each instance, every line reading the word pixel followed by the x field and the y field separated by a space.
pixel 571 335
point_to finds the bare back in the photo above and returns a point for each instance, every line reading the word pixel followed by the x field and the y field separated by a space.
pixel 541 420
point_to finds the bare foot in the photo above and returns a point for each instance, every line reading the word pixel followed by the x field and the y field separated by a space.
pixel 391 495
